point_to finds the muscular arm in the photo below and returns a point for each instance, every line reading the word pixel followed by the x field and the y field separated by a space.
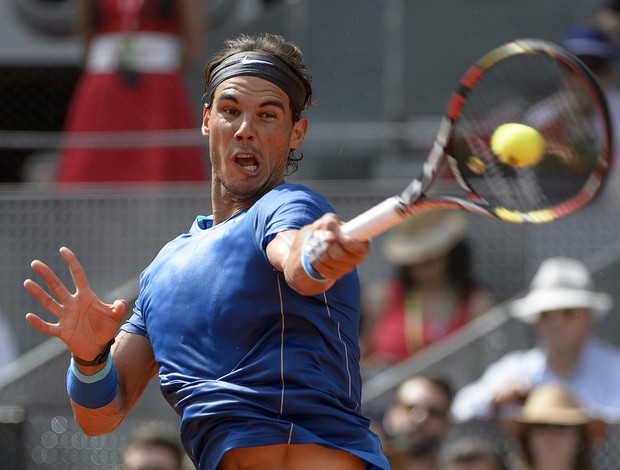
pixel 343 254
pixel 504 383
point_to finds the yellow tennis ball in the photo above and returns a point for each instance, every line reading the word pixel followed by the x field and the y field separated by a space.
pixel 517 144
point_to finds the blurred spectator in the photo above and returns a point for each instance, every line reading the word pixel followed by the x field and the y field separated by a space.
pixel 564 308
pixel 151 447
pixel 434 292
pixel 471 453
pixel 595 49
pixel 553 432
pixel 136 51
pixel 607 19
pixel 569 116
pixel 417 422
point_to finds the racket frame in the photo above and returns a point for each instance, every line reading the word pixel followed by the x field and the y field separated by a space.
pixel 395 209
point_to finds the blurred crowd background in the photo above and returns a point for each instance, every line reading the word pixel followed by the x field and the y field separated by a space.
pixel 382 73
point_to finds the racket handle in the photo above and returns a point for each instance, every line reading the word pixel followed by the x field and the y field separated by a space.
pixel 365 226
pixel 376 220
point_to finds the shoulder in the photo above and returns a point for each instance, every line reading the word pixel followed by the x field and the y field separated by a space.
pixel 598 348
pixel 290 193
pixel 286 207
pixel 291 202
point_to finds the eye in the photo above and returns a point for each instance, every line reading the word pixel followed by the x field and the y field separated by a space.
pixel 230 111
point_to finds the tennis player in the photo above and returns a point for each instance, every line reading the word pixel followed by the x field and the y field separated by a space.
pixel 255 348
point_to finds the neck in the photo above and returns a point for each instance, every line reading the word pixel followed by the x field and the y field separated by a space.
pixel 438 284
pixel 564 362
pixel 437 303
pixel 225 204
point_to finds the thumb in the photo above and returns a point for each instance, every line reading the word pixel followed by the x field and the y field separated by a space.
pixel 120 307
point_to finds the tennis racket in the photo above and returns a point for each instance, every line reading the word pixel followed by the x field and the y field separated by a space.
pixel 528 81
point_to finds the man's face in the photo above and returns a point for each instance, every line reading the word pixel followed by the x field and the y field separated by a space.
pixel 251 132
pixel 566 330
pixel 419 417
pixel 554 444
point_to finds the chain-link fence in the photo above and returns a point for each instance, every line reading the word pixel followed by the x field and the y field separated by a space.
pixel 116 233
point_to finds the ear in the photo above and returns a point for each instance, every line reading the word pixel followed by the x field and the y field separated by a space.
pixel 299 133
pixel 206 112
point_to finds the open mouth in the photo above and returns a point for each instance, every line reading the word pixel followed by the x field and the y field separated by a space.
pixel 248 162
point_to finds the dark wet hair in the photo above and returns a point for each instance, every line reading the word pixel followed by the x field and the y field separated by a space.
pixel 285 51
pixel 266 43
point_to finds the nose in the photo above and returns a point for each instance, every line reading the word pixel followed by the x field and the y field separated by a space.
pixel 245 131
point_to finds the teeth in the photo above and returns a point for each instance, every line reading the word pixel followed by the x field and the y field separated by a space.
pixel 250 167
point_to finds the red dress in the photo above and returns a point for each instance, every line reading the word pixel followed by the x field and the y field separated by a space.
pixel 401 331
pixel 152 97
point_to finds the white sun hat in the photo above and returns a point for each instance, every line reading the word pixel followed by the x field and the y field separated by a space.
pixel 425 236
pixel 560 283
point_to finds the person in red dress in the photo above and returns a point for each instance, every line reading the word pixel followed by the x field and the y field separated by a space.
pixel 432 295
pixel 136 53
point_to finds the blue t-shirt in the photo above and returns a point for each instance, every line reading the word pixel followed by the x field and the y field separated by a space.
pixel 244 359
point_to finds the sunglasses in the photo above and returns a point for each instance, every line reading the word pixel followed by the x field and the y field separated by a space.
pixel 431 410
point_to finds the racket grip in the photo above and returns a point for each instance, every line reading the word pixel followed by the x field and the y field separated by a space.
pixel 376 220
pixel 365 226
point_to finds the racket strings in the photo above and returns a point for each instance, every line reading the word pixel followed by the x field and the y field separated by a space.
pixel 523 190
pixel 545 93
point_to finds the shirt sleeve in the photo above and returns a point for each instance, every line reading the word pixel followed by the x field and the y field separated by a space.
pixel 135 324
pixel 474 401
pixel 287 209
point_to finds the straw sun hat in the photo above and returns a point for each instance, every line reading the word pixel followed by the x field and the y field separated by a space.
pixel 551 404
pixel 424 236
pixel 560 283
